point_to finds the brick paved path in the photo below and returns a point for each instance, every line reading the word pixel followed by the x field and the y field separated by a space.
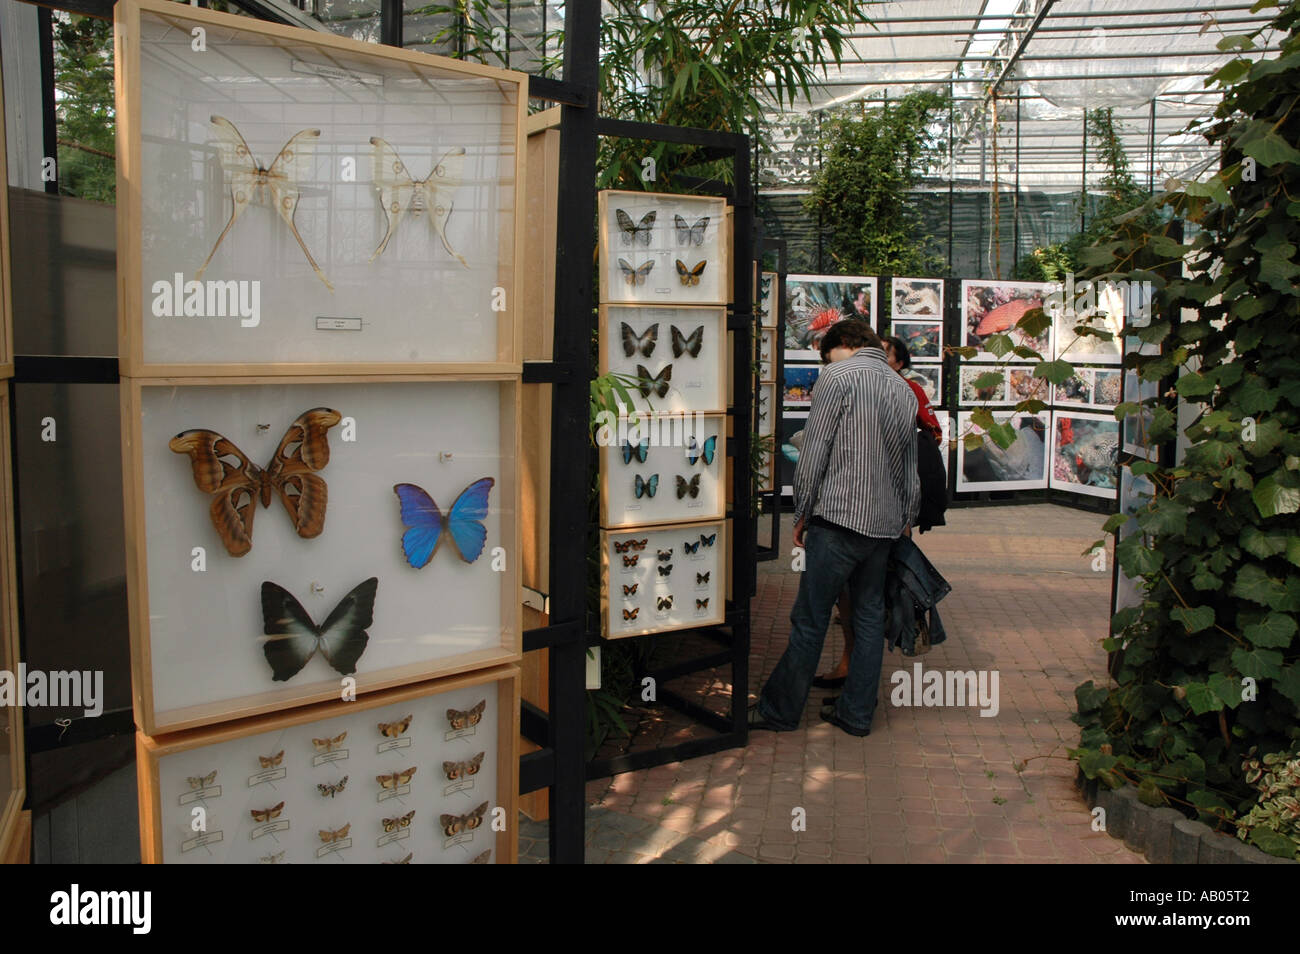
pixel 928 784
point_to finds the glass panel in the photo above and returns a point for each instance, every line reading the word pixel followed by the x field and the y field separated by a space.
pixel 70 538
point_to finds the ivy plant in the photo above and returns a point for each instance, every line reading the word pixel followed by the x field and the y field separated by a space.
pixel 1207 668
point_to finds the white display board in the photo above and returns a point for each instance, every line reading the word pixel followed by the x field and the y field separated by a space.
pixel 658 248
pixel 358 204
pixel 1022 466
pixel 201 639
pixel 674 358
pixel 664 469
pixel 400 778
pixel 769 305
pixel 657 580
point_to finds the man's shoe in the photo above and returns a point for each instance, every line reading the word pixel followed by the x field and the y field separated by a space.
pixel 758 724
pixel 828 715
pixel 829 682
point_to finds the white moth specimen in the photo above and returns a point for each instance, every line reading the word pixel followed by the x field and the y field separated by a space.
pixel 276 185
pixel 400 192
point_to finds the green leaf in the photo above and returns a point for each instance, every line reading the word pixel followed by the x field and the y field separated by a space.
pixel 1137 559
pixel 1004 434
pixel 1195 618
pixel 982 418
pixel 1226 688
pixel 1237 41
pixel 1293 550
pixel 966 351
pixel 1272 499
pixel 1057 372
pixel 1263 545
pixel 1258 663
pixel 1114 522
pixel 1201 698
pixel 1288 682
pixel 998 345
pixel 1034 322
pixel 1149 793
pixel 1274 630
pixel 1095 763
pixel 1269 149
pixel 1195 385
pixel 988 379
pixel 1253 583
pixel 1272 843
pixel 1024 351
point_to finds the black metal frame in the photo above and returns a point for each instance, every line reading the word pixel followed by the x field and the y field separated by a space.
pixel 772 499
pixel 743 541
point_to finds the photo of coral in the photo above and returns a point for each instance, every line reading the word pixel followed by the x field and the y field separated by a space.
pixel 1085 450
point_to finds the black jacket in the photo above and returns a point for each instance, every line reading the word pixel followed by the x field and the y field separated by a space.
pixel 934 483
pixel 913 587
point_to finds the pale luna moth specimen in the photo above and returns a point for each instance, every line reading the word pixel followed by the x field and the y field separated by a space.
pixel 276 185
pixel 400 192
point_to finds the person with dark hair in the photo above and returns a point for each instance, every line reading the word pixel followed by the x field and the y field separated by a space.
pixel 934 497
pixel 856 491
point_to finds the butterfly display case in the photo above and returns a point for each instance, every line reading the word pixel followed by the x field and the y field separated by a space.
pixel 425 774
pixel 662 579
pixel 675 358
pixel 663 469
pixel 769 302
pixel 663 249
pixel 292 201
pixel 287 541
pixel 766 341
pixel 765 418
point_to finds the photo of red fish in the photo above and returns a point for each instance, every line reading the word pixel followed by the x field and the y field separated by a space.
pixel 991 308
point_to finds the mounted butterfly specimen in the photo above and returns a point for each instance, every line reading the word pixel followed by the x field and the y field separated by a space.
pixel 201 781
pixel 329 790
pixel 236 483
pixel 632 231
pixel 464 719
pixel 665 570
pixel 665 555
pixel 691 486
pixel 402 821
pixel 691 547
pixel 630 590
pixel 457 770
pixel 266 814
pixel 640 451
pixel 391 730
pixel 687 344
pixel 455 824
pixel 396 779
pixel 645 488
pixel 329 745
pixel 294 637
pixel 635 275
pixel 426 523
pixel 658 383
pixel 631 560
pixel 623 546
pixel 252 183
pixel 665 602
pixel 643 343
pixel 271 761
pixel 631 614
pixel 400 192
pixel 694 451
pixel 690 275
pixel 709 540
pixel 688 234
pixel 702 604
pixel 338 834
pixel 702 578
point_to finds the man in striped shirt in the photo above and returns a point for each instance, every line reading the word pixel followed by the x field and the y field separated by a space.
pixel 856 491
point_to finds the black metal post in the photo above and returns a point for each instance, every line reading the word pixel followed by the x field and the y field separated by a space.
pixel 1083 175
pixel 574 317
pixel 390 22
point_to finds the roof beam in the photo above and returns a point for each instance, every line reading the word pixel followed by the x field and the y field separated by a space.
pixel 1043 11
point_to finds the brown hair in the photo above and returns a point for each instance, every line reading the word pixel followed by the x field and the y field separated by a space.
pixel 849 333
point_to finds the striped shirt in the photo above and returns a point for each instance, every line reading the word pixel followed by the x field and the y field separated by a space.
pixel 857 466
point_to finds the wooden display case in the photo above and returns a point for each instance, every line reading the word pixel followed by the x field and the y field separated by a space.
pixel 393 777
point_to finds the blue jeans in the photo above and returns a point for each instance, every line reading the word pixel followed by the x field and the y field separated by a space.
pixel 834 558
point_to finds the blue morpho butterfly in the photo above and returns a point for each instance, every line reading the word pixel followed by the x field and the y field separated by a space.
pixel 426 522
pixel 694 452
pixel 646 488
pixel 639 451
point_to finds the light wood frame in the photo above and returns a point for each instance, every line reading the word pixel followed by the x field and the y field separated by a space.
pixel 131 298
pixel 717 610
pixel 718 366
pixel 12 827
pixel 150 751
pixel 6 288
pixel 510 649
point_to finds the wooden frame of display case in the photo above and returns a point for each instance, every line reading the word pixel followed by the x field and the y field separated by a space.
pixel 131 289
pixel 508 651
pixel 15 825
pixel 721 562
pixel 150 752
